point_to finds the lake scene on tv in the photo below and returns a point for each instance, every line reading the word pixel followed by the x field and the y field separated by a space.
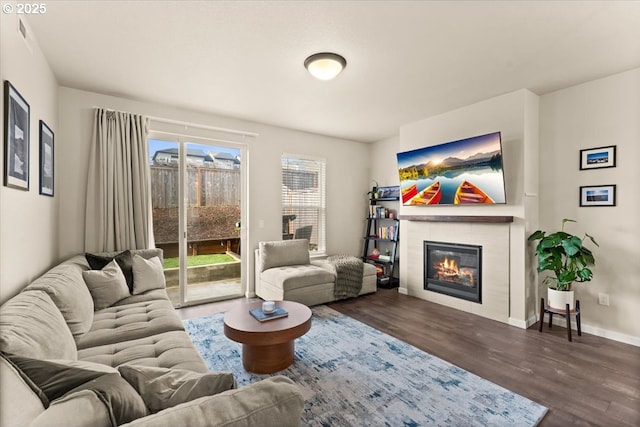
pixel 464 172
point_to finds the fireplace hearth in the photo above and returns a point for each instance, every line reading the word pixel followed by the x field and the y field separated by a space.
pixel 453 269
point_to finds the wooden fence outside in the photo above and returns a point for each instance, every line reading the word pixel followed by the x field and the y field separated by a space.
pixel 207 187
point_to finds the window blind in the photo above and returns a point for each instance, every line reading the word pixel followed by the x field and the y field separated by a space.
pixel 303 200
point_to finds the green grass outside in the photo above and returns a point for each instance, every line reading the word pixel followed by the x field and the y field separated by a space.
pixel 193 261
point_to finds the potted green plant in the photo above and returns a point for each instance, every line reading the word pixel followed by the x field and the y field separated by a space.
pixel 373 194
pixel 565 255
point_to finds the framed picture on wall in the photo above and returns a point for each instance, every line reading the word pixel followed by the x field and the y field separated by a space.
pixel 598 195
pixel 389 193
pixel 16 139
pixel 597 158
pixel 46 160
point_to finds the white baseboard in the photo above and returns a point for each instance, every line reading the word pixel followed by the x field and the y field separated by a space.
pixel 522 324
pixel 517 323
pixel 403 291
pixel 599 332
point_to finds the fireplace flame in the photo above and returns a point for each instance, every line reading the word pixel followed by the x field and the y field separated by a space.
pixel 449 267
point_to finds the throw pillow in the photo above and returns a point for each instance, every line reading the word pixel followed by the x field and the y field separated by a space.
pixel 286 252
pixel 163 388
pixel 107 286
pixel 121 399
pixel 147 274
pixel 124 260
pixel 56 380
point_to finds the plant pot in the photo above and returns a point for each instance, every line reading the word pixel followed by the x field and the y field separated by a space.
pixel 559 299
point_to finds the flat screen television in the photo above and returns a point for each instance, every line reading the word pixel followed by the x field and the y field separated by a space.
pixel 464 172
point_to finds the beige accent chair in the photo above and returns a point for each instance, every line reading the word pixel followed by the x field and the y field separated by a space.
pixel 284 271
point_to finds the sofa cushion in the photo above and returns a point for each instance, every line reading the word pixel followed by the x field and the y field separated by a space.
pixel 147 274
pixel 107 286
pixel 86 406
pixel 282 253
pixel 31 325
pixel 297 276
pixel 167 350
pixel 129 322
pixel 163 388
pixel 19 404
pixel 124 260
pixel 66 287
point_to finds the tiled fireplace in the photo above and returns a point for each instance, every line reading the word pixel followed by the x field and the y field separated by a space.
pixel 487 282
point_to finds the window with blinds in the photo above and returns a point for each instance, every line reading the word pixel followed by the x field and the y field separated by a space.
pixel 303 200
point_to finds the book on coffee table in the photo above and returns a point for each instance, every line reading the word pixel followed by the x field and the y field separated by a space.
pixel 263 317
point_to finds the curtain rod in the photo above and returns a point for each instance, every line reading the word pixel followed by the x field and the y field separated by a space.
pixel 199 126
pixel 224 141
pixel 191 124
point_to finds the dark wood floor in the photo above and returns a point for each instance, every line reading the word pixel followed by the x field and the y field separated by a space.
pixel 591 381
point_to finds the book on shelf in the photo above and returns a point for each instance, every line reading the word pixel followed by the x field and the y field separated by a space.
pixel 378 212
pixel 263 317
pixel 387 232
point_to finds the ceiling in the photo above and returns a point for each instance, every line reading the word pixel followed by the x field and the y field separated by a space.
pixel 406 60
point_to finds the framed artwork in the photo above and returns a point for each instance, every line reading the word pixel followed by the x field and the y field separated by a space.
pixel 597 158
pixel 46 160
pixel 598 195
pixel 16 139
pixel 389 193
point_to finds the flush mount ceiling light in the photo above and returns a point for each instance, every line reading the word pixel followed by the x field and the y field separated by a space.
pixel 325 65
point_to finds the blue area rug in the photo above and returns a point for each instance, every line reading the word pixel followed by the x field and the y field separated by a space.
pixel 353 375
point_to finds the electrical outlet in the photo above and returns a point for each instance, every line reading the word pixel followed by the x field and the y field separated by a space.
pixel 603 299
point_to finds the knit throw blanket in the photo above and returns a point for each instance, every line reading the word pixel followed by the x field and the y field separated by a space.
pixel 349 271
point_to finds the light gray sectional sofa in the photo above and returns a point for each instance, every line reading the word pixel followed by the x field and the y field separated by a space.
pixel 53 322
pixel 284 271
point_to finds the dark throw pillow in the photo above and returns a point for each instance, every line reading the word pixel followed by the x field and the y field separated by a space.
pixel 32 385
pixel 124 260
pixel 55 380
pixel 122 401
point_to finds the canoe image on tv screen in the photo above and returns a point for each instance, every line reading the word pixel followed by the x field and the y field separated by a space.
pixel 464 172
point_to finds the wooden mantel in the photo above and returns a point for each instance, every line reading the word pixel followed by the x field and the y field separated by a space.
pixel 458 218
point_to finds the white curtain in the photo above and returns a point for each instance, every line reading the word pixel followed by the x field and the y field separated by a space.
pixel 118 210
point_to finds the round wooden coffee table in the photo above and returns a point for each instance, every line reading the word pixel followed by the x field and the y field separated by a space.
pixel 267 347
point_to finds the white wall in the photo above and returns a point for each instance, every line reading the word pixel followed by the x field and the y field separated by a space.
pixel 347 172
pixel 384 165
pixel 595 114
pixel 28 221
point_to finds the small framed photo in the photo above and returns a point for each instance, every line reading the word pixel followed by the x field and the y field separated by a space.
pixel 389 193
pixel 598 195
pixel 597 158
pixel 16 139
pixel 46 160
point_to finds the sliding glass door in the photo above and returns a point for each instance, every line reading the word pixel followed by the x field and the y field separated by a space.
pixel 197 206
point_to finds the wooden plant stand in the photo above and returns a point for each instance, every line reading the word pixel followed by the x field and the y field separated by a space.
pixel 567 313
